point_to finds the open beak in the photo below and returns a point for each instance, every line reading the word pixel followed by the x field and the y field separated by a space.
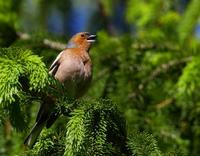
pixel 91 38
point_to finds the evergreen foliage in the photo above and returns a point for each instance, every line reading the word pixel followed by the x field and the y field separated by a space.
pixel 18 63
pixel 21 72
pixel 144 144
pixel 144 98
pixel 97 129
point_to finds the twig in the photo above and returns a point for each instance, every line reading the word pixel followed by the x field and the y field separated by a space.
pixel 54 45
pixel 164 103
pixel 46 42
pixel 23 36
pixel 161 69
pixel 152 46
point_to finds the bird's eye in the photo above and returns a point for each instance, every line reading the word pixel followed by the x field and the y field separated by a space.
pixel 82 35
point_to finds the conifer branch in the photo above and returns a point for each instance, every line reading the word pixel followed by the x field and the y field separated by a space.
pixel 54 45
pixel 164 103
pixel 163 68
pixel 46 42
pixel 152 46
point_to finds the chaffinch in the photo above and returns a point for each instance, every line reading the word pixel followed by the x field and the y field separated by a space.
pixel 73 68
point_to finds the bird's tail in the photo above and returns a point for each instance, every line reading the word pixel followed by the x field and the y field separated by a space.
pixel 35 131
pixel 42 117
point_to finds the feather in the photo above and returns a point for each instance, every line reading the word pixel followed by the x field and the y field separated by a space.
pixel 71 44
pixel 35 131
pixel 54 66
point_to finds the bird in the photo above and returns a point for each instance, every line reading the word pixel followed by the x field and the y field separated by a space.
pixel 73 68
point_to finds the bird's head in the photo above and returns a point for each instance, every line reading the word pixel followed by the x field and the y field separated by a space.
pixel 82 40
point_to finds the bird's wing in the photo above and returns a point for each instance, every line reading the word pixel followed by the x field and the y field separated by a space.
pixel 54 66
pixel 70 67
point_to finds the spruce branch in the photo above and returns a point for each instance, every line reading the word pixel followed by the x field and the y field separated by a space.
pixel 54 45
pixel 95 128
pixel 163 68
pixel 46 42
pixel 22 73
pixel 143 144
pixel 146 46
